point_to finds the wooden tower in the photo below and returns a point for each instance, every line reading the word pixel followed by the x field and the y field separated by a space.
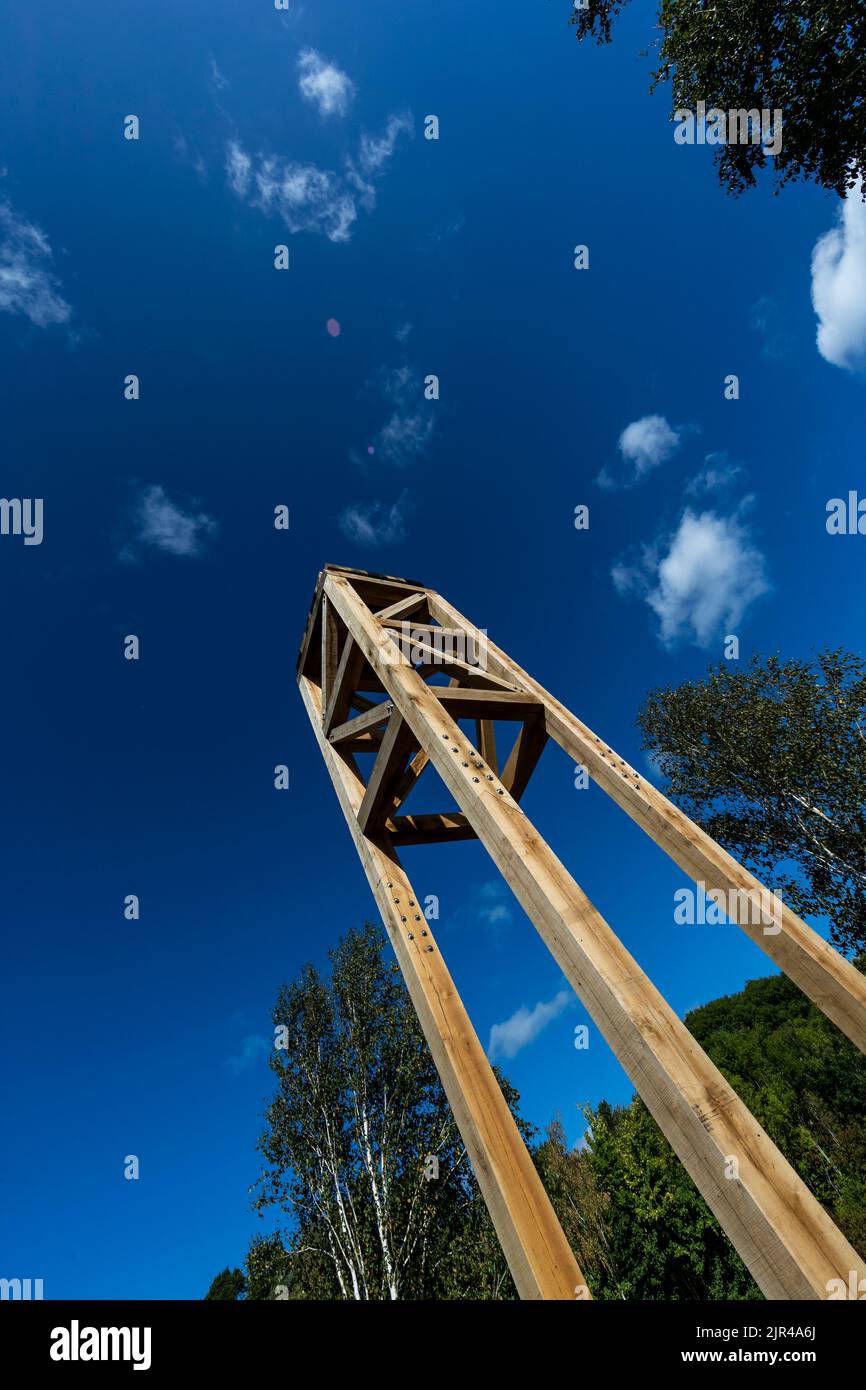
pixel 371 646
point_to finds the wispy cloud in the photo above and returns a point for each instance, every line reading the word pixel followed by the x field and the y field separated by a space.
pixel 524 1026
pixel 766 319
pixel 839 286
pixel 405 438
pixel 28 285
pixel 323 84
pixel 718 474
pixel 221 84
pixel 700 581
pixel 158 523
pixel 643 445
pixel 310 199
pixel 407 433
pixel 492 906
pixel 252 1049
pixel 371 524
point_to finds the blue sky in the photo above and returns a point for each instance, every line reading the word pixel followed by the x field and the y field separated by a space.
pixel 454 257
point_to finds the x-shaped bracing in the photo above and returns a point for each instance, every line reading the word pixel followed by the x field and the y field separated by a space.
pixel 354 647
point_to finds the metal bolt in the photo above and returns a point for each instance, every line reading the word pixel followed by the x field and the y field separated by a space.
pixel 476 779
pixel 402 919
pixel 429 948
pixel 499 791
pixel 411 936
pixel 465 764
pixel 490 776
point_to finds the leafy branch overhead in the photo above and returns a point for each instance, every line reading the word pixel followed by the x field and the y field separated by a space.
pixel 805 58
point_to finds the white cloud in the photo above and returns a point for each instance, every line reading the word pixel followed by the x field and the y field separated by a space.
pixel 405 438
pixel 164 525
pixel 643 445
pixel 766 319
pixel 27 284
pixel 717 475
pixel 220 83
pixel 701 586
pixel 375 523
pixel 375 150
pixel 252 1049
pixel 839 286
pixel 324 85
pixel 524 1026
pixel 492 906
pixel 406 435
pixel 307 198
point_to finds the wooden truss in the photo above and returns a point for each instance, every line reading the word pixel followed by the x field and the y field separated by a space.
pixel 364 691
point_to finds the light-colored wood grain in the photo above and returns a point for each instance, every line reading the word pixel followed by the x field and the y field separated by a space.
pixel 830 981
pixel 782 1233
pixel 538 1255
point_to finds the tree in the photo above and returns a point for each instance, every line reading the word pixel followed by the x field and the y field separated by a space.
pixel 803 1082
pixel 802 57
pixel 361 1150
pixel 663 1241
pixel 771 761
pixel 229 1284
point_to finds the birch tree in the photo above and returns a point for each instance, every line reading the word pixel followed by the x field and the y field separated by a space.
pixel 362 1155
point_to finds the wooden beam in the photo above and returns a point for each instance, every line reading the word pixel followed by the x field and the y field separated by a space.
pixel 485 738
pixel 824 976
pixel 472 676
pixel 370 719
pixel 397 744
pixel 782 1233
pixel 431 829
pixel 330 648
pixel 528 748
pixel 337 701
pixel 541 1262
pixel 463 703
pixel 403 608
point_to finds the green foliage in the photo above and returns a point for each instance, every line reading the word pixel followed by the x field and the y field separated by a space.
pixel 358 1110
pixel 803 1081
pixel 802 57
pixel 771 761
pixel 228 1284
pixel 664 1243
pixel 358 1107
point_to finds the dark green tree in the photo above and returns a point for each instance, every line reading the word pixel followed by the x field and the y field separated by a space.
pixel 803 57
pixel 800 1079
pixel 663 1241
pixel 771 761
pixel 362 1155
pixel 229 1284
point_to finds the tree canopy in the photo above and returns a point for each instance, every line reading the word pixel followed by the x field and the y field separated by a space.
pixel 771 761
pixel 362 1155
pixel 804 58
